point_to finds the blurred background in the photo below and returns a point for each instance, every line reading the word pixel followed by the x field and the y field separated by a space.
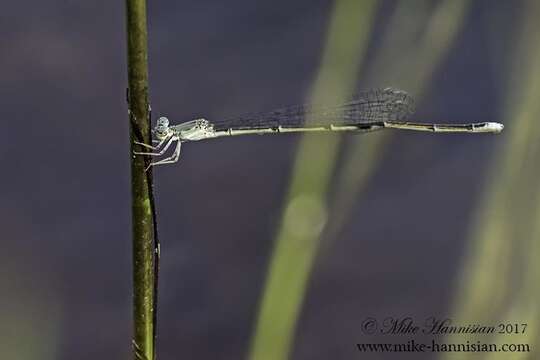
pixel 272 247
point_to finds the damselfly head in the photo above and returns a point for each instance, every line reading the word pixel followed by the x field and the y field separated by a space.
pixel 162 129
pixel 162 122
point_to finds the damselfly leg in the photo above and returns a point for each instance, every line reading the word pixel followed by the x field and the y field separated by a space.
pixel 169 160
pixel 157 152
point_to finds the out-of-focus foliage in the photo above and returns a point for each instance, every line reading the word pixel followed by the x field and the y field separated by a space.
pixel 499 282
pixel 308 217
pixel 420 40
pixel 305 209
pixel 30 310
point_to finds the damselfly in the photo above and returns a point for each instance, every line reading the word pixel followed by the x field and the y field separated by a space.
pixel 368 111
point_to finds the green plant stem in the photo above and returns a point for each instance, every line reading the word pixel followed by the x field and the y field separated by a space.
pixel 143 220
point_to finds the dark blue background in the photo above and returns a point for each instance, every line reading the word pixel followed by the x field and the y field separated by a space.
pixel 65 178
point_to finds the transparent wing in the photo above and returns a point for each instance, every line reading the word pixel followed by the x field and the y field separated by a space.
pixel 366 107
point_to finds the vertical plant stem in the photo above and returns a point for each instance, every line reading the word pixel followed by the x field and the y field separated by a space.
pixel 143 216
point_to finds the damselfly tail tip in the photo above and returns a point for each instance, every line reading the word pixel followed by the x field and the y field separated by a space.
pixel 494 127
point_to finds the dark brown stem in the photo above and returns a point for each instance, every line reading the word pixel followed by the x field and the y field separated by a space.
pixel 145 257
